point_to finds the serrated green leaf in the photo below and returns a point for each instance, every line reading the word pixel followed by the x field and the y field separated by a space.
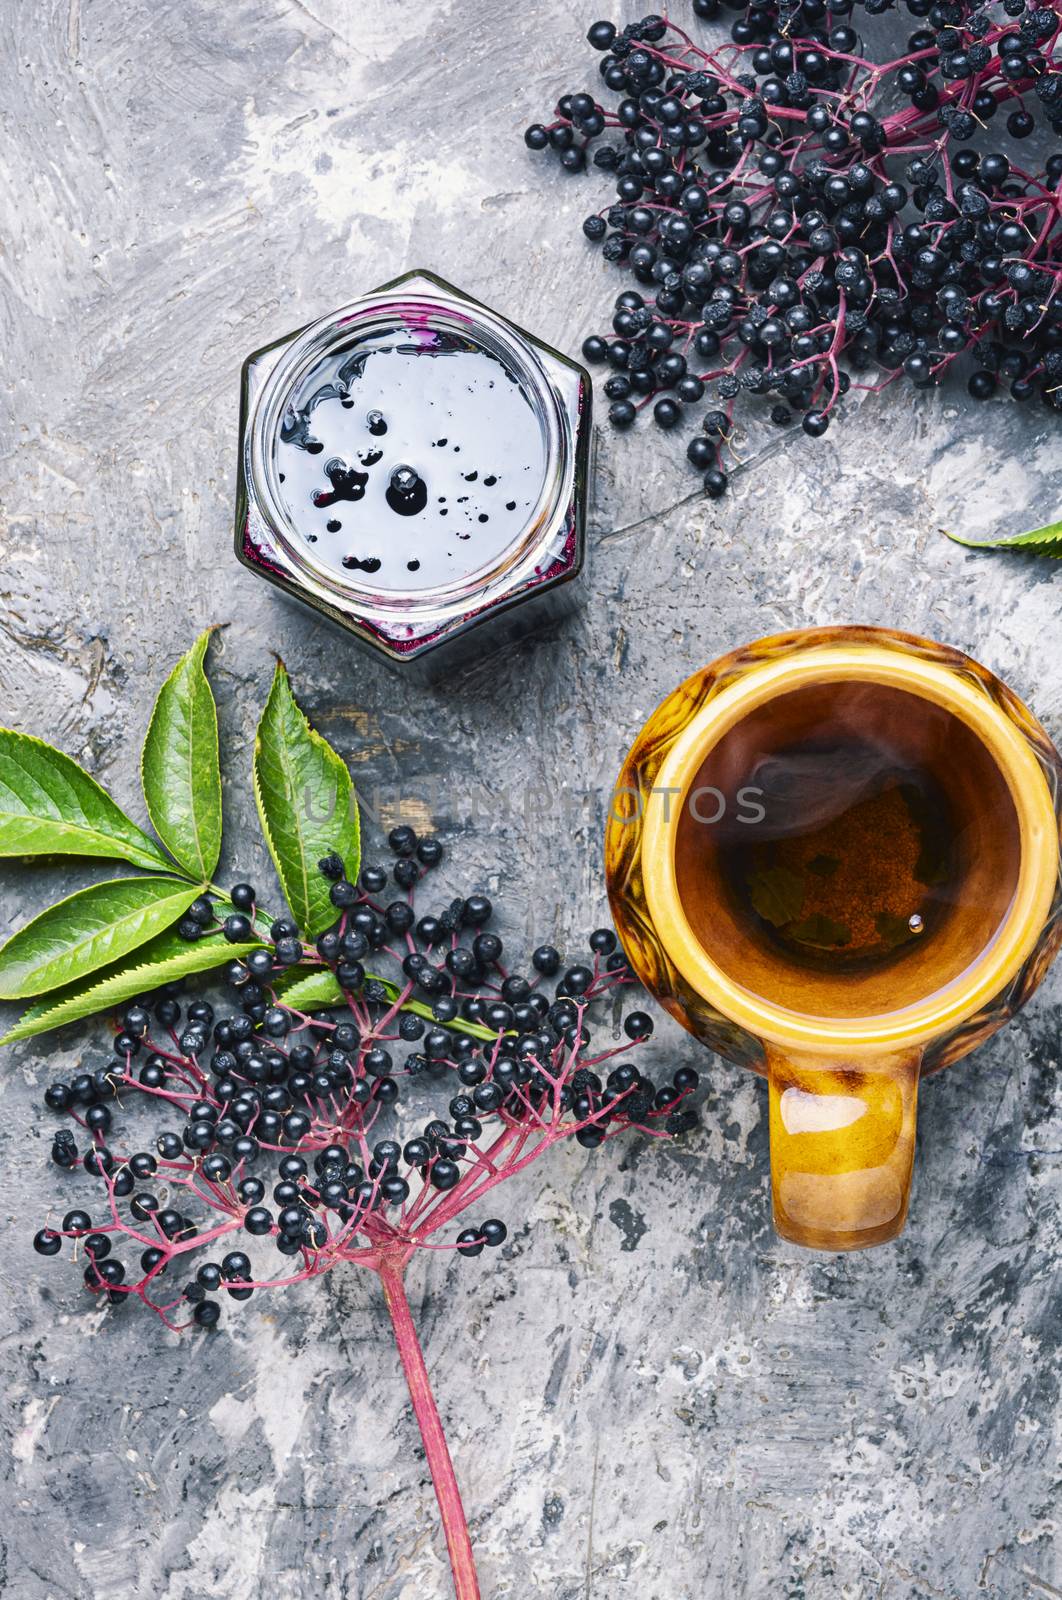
pixel 49 806
pixel 1046 541
pixel 88 930
pixel 179 769
pixel 306 804
pixel 281 982
pixel 320 991
pixel 313 992
pixel 163 960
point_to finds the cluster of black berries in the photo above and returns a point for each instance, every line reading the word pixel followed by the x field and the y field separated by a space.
pixel 268 1088
pixel 783 201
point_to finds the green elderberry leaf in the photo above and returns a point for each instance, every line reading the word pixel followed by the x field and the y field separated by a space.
pixel 179 768
pixel 88 930
pixel 320 991
pixel 164 959
pixel 283 982
pixel 313 992
pixel 49 806
pixel 777 894
pixel 306 804
pixel 1045 541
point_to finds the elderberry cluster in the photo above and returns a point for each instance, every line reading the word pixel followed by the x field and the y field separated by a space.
pixel 274 1116
pixel 784 201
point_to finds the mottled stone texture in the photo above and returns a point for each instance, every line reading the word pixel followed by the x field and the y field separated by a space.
pixel 648 1396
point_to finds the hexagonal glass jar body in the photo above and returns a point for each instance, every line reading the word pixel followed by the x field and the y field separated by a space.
pixel 414 467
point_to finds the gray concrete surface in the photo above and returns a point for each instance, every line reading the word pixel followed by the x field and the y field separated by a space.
pixel 649 1396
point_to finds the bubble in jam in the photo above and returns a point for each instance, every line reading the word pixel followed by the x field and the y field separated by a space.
pixel 410 459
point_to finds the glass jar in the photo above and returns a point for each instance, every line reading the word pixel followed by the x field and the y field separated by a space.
pixel 414 467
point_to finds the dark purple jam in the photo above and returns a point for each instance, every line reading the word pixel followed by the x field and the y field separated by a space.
pixel 412 459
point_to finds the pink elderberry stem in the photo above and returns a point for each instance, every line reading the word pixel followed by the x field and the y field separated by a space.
pixel 455 1524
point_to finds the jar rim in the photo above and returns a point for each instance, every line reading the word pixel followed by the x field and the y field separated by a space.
pixel 432 309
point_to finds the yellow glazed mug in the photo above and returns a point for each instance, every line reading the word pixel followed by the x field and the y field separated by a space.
pixel 861 748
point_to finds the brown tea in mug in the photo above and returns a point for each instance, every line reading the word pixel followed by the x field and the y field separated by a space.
pixel 847 847
pixel 860 861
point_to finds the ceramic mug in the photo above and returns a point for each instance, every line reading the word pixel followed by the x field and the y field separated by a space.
pixel 843 1041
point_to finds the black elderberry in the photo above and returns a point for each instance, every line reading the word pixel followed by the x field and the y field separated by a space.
pixel 136 1021
pixel 488 1096
pixel 406 872
pixel 700 452
pixel 99 1274
pixel 237 928
pixel 443 1173
pixel 417 1152
pixel 260 964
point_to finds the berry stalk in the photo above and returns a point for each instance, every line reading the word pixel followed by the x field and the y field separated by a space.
pixel 447 1493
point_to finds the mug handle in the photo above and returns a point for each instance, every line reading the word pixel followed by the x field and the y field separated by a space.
pixel 842 1146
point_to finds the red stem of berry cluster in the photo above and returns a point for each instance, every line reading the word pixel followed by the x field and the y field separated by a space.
pixel 451 1508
